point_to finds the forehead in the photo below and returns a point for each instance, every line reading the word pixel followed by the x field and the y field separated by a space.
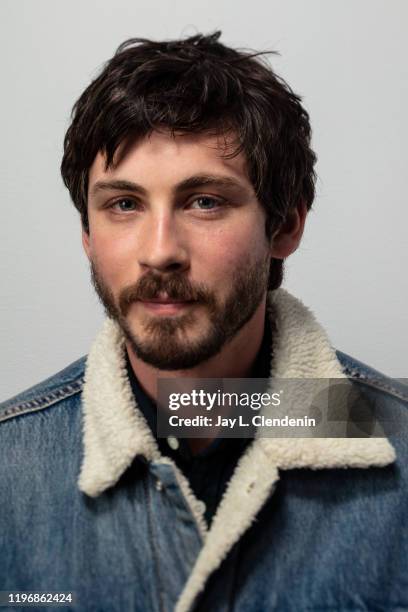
pixel 169 158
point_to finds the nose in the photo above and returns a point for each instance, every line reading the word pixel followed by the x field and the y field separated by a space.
pixel 162 245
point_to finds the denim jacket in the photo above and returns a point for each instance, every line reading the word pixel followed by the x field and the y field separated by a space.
pixel 88 504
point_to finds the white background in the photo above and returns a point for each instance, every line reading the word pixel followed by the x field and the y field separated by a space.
pixel 347 58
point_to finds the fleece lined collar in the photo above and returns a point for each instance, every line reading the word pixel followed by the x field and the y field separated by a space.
pixel 115 431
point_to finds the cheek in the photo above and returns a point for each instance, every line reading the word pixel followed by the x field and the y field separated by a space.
pixel 113 259
pixel 225 252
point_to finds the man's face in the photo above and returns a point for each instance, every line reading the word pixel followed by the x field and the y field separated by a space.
pixel 177 246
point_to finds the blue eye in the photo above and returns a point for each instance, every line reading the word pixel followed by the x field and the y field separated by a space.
pixel 130 205
pixel 206 203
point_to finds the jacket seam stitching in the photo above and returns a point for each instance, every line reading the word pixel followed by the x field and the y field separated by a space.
pixel 377 384
pixel 154 543
pixel 37 404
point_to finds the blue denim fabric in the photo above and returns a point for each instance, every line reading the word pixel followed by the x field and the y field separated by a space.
pixel 326 540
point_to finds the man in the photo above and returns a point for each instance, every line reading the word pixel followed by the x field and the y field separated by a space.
pixel 191 167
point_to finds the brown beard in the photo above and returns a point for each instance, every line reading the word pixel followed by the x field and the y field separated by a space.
pixel 166 346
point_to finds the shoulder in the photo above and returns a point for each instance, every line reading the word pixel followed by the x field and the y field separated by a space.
pixel 387 399
pixel 60 386
pixel 364 374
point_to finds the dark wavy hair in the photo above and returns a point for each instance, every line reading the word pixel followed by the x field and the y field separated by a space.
pixel 196 84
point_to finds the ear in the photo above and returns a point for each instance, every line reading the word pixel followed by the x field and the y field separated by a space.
pixel 287 237
pixel 86 242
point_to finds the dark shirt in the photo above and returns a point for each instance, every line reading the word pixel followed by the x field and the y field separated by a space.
pixel 209 470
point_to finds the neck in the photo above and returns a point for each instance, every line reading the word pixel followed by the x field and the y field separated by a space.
pixel 235 359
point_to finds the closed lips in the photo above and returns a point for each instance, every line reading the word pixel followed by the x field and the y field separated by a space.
pixel 156 301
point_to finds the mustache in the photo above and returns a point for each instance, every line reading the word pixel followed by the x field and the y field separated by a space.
pixel 175 286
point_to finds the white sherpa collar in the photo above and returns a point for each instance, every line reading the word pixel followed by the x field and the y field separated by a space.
pixel 115 431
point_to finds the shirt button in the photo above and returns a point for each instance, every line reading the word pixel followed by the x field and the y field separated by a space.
pixel 201 506
pixel 173 442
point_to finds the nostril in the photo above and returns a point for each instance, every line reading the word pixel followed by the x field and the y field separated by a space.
pixel 174 266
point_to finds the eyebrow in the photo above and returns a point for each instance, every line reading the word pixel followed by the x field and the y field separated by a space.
pixel 192 182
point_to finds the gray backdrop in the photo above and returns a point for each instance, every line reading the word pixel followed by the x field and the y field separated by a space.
pixel 348 58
